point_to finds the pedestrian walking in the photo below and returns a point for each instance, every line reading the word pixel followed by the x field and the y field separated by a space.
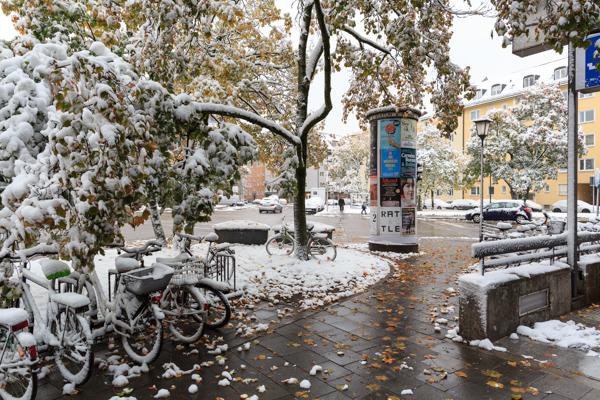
pixel 363 208
pixel 341 203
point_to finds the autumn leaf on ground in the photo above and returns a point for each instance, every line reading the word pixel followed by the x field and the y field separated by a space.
pixel 260 357
pixel 517 390
pixel 461 374
pixel 533 391
pixel 495 385
pixel 512 363
pixel 515 382
pixel 373 387
pixel 516 397
pixel 388 360
pixel 309 342
pixel 381 378
pixel 492 373
pixel 376 365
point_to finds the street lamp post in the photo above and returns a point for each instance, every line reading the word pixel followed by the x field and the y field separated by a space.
pixel 481 127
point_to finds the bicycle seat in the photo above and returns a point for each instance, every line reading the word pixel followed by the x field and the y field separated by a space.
pixel 54 269
pixel 170 261
pixel 126 264
pixel 221 246
pixel 10 317
pixel 68 299
pixel 320 236
pixel 211 237
pixel 503 226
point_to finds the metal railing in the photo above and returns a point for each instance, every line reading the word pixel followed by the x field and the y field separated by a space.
pixel 536 248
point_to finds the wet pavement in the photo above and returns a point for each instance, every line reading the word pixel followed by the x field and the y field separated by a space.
pixel 380 344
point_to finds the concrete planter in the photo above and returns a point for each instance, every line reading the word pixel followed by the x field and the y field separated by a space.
pixel 242 232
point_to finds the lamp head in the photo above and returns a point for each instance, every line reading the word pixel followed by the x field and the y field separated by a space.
pixel 482 127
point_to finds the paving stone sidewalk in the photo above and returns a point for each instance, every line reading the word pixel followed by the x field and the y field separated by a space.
pixel 380 344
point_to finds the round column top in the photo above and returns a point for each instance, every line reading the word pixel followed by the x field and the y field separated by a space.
pixel 393 112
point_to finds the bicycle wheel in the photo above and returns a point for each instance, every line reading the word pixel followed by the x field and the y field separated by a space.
pixel 322 249
pixel 183 307
pixel 73 356
pixel 17 382
pixel 281 245
pixel 219 308
pixel 144 343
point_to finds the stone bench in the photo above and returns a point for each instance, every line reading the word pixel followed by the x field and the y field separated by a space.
pixel 242 232
pixel 495 304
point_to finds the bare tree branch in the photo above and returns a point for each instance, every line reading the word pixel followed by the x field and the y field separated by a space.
pixel 366 40
pixel 319 115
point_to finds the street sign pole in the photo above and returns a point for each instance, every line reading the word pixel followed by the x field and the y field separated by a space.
pixel 572 174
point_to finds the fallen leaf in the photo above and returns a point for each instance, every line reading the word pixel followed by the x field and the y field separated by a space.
pixel 533 391
pixel 373 387
pixel 461 374
pixel 512 363
pixel 492 373
pixel 381 378
pixel 495 385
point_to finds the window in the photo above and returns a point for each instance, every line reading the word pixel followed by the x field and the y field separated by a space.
pixel 586 116
pixel 438 192
pixel 560 73
pixel 475 191
pixel 562 190
pixel 586 164
pixel 479 93
pixel 451 192
pixel 546 188
pixel 530 80
pixel 322 173
pixel 474 115
pixel 589 139
pixel 503 189
pixel 497 89
pixel 585 95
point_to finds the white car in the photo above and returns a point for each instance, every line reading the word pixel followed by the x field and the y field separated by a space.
pixel 438 204
pixel 530 203
pixel 464 204
pixel 582 206
pixel 270 205
pixel 314 205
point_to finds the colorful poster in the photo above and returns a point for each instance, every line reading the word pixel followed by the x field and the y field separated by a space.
pixel 390 163
pixel 373 190
pixel 390 220
pixel 390 192
pixel 389 134
pixel 408 133
pixel 407 192
pixel 408 162
pixel 374 152
pixel 408 221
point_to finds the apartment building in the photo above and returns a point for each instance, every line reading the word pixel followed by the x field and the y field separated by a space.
pixel 505 93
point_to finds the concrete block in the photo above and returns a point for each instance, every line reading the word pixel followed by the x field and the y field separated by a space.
pixel 489 304
pixel 590 267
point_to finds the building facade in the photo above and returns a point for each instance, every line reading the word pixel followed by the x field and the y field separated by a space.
pixel 505 94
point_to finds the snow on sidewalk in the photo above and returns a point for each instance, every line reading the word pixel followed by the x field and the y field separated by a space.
pixel 563 334
pixel 273 278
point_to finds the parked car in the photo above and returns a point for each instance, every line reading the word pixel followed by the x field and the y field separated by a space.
pixel 508 210
pixel 535 207
pixel 332 202
pixel 582 206
pixel 314 205
pixel 270 205
pixel 464 204
pixel 438 204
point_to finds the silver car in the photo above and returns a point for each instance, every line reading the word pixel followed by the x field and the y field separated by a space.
pixel 270 205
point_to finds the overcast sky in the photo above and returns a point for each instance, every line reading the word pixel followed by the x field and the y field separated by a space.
pixel 471 46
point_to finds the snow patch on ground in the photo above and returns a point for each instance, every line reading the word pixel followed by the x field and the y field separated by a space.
pixel 563 334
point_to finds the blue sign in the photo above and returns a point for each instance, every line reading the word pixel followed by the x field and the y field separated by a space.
pixel 587 75
pixel 390 163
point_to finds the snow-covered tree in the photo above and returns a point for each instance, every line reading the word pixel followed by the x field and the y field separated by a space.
pixel 349 167
pixel 442 164
pixel 527 143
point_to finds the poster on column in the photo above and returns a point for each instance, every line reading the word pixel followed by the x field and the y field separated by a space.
pixel 373 191
pixel 408 221
pixel 390 163
pixel 374 151
pixel 390 192
pixel 390 220
pixel 408 131
pixel 408 162
pixel 407 191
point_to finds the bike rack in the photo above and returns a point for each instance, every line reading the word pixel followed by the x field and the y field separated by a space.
pixel 224 271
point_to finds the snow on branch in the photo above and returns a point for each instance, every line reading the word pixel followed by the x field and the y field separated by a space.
pixel 317 116
pixel 366 40
pixel 313 60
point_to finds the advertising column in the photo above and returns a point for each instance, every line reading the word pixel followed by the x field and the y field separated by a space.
pixel 392 179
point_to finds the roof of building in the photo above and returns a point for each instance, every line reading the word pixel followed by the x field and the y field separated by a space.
pixel 513 84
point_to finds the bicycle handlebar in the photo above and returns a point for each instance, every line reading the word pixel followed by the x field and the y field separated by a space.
pixel 151 246
pixel 197 238
pixel 31 252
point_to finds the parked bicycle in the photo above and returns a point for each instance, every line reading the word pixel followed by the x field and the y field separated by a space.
pixel 201 271
pixel 284 243
pixel 134 311
pixel 18 356
pixel 64 330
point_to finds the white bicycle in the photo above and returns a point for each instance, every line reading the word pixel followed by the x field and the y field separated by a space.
pixel 134 312
pixel 64 330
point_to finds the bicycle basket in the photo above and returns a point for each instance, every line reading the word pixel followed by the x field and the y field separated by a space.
pixel 186 274
pixel 149 279
pixel 556 227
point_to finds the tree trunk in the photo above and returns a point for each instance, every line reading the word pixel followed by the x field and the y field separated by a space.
pixel 301 232
pixel 159 232
pixel 432 201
